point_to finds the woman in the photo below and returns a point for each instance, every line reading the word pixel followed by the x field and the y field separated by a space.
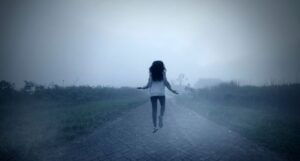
pixel 157 82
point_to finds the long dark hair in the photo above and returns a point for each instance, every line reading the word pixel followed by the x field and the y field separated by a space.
pixel 157 68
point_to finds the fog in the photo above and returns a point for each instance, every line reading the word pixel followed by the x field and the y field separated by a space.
pixel 113 43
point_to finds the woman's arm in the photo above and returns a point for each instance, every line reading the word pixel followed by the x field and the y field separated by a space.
pixel 168 85
pixel 148 84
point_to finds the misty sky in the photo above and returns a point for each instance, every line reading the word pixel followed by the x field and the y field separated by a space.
pixel 113 43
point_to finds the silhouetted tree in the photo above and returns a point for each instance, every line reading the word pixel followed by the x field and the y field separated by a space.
pixel 7 91
pixel 29 87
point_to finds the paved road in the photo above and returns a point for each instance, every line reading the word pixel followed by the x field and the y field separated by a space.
pixel 185 136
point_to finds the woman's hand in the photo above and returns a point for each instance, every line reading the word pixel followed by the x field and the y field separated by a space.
pixel 175 92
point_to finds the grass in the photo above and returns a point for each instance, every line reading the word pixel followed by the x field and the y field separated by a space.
pixel 276 128
pixel 30 127
pixel 84 118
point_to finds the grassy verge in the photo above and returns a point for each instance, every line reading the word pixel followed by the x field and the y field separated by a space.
pixel 84 118
pixel 274 128
pixel 30 127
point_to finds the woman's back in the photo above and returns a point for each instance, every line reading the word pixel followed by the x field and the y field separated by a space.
pixel 157 88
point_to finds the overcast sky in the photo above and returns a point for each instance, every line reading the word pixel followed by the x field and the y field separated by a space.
pixel 113 43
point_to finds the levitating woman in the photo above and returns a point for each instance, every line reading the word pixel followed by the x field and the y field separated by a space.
pixel 157 82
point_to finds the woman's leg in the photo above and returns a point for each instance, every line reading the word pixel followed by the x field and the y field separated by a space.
pixel 162 101
pixel 162 110
pixel 154 109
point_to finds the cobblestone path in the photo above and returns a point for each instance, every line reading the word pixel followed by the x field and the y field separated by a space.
pixel 185 136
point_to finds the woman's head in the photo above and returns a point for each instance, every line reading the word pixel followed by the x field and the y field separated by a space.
pixel 157 68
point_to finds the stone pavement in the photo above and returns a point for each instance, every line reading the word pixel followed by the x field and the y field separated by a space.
pixel 185 136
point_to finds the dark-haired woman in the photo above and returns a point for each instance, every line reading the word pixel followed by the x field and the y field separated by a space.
pixel 156 84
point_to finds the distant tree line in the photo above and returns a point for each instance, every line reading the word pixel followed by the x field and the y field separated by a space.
pixel 285 95
pixel 71 94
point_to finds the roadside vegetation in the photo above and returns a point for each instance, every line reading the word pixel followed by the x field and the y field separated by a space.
pixel 268 115
pixel 36 118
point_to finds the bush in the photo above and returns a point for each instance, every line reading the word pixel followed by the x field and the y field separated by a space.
pixel 232 93
pixel 70 94
pixel 7 91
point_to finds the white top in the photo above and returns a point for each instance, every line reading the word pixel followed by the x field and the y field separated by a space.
pixel 157 88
